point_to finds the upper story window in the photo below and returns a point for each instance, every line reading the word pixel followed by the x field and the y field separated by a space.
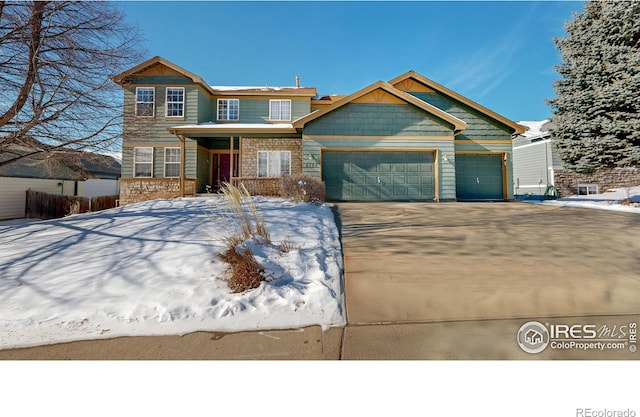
pixel 143 162
pixel 145 101
pixel 279 109
pixel 175 101
pixel 228 109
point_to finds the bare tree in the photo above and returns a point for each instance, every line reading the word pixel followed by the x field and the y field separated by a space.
pixel 56 63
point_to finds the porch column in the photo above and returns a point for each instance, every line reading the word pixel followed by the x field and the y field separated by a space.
pixel 182 162
pixel 231 161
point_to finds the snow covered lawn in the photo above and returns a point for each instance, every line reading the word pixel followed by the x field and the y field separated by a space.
pixel 153 269
pixel 605 201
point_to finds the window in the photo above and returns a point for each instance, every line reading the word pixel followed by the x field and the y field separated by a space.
pixel 143 162
pixel 175 101
pixel 279 109
pixel 228 109
pixel 586 189
pixel 145 103
pixel 274 164
pixel 171 162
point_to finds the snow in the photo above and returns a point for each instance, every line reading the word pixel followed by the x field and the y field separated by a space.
pixel 117 155
pixel 152 268
pixel 535 127
pixel 246 88
pixel 610 200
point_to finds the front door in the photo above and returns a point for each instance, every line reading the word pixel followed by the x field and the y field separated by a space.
pixel 225 162
pixel 220 167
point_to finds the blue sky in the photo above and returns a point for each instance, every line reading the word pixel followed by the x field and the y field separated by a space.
pixel 499 54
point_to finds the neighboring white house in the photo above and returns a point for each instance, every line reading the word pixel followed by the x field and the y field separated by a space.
pixel 537 167
pixel 534 160
pixel 90 175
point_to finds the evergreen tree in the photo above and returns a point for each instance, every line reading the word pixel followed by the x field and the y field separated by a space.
pixel 597 105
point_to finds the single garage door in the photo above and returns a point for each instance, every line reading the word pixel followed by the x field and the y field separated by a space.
pixel 378 175
pixel 479 177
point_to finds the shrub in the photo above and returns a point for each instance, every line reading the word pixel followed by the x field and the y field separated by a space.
pixel 246 273
pixel 302 188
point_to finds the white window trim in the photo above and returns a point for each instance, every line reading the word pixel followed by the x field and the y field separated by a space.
pixel 166 102
pixel 153 111
pixel 280 119
pixel 218 110
pixel 179 163
pixel 134 162
pixel 590 188
pixel 268 170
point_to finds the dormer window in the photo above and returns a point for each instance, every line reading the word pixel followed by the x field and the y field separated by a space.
pixel 145 103
pixel 280 110
pixel 228 109
pixel 175 102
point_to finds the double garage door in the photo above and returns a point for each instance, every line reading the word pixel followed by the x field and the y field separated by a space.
pixel 379 175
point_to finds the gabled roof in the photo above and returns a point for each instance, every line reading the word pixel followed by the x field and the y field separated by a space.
pixel 458 125
pixel 518 129
pixel 128 75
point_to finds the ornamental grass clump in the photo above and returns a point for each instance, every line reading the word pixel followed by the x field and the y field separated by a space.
pixel 240 221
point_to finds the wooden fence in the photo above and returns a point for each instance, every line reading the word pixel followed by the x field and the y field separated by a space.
pixel 51 206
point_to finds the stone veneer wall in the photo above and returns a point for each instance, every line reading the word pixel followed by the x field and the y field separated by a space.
pixel 249 148
pixel 567 181
pixel 134 190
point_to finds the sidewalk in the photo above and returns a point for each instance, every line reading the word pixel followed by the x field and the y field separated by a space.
pixel 310 343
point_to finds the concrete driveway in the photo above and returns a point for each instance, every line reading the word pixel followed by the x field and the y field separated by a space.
pixel 470 262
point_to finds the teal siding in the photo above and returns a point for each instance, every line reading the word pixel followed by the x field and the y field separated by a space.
pixel 481 127
pixel 127 163
pixel 368 119
pixel 164 80
pixel 154 131
pixel 257 110
pixel 312 156
pixel 205 108
pixel 203 170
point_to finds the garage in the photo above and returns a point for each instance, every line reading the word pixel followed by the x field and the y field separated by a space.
pixel 479 176
pixel 379 175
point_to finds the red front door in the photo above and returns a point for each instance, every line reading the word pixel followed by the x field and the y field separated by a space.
pixel 221 165
pixel 225 162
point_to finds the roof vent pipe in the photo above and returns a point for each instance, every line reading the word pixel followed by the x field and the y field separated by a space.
pixel 297 82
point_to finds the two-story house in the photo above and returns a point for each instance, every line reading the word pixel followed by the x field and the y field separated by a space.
pixel 406 139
